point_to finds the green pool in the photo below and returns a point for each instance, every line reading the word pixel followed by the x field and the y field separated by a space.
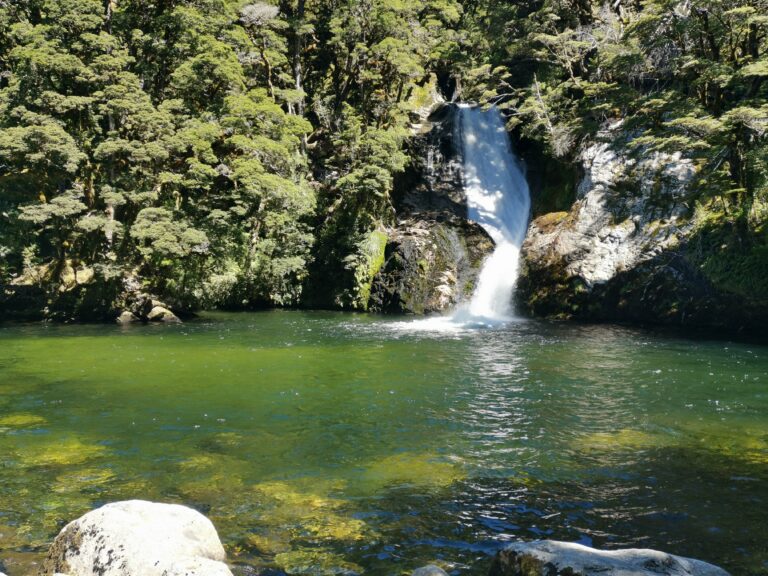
pixel 323 443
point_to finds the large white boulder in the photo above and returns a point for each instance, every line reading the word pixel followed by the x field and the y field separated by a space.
pixel 138 538
pixel 552 558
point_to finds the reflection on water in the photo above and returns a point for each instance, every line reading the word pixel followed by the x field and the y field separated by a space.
pixel 354 444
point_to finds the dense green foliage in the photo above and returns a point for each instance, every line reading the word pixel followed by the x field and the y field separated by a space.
pixel 219 152
pixel 686 77
pixel 172 144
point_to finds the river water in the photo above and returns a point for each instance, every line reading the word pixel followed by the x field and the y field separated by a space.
pixel 332 443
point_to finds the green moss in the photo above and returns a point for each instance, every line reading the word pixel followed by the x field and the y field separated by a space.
pixel 732 254
pixel 550 220
pixel 373 251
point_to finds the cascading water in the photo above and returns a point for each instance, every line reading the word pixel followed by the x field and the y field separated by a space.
pixel 499 200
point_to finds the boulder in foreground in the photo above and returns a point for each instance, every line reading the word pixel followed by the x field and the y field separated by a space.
pixel 137 538
pixel 551 558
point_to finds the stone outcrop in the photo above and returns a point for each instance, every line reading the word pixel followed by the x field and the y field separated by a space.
pixel 433 253
pixel 137 538
pixel 551 558
pixel 629 249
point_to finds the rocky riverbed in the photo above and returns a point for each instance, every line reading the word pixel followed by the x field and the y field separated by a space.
pixel 139 538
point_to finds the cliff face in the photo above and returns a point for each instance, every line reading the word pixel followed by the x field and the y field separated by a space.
pixel 638 245
pixel 434 253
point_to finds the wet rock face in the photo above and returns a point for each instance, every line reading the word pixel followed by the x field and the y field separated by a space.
pixel 137 537
pixel 434 253
pixel 551 558
pixel 429 266
pixel 623 252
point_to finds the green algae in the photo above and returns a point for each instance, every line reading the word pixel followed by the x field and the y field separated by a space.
pixel 269 544
pixel 65 451
pixel 422 470
pixel 21 420
pixel 315 562
pixel 621 440
pixel 307 515
pixel 83 479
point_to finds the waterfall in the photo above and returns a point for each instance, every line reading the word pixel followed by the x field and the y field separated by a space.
pixel 499 200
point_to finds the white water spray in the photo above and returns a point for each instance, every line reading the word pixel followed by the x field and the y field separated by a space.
pixel 499 200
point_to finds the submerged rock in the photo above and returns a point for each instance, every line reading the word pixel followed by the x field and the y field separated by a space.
pixel 429 570
pixel 551 558
pixel 138 538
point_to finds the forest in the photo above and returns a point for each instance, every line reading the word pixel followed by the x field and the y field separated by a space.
pixel 233 154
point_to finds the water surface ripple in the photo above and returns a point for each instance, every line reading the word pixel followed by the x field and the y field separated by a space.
pixel 336 444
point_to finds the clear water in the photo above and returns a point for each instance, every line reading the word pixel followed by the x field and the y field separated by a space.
pixel 327 443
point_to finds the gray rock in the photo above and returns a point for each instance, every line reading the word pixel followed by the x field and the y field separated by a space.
pixel 430 570
pixel 551 558
pixel 609 229
pixel 629 248
pixel 127 317
pixel 138 538
pixel 429 266
pixel 161 314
